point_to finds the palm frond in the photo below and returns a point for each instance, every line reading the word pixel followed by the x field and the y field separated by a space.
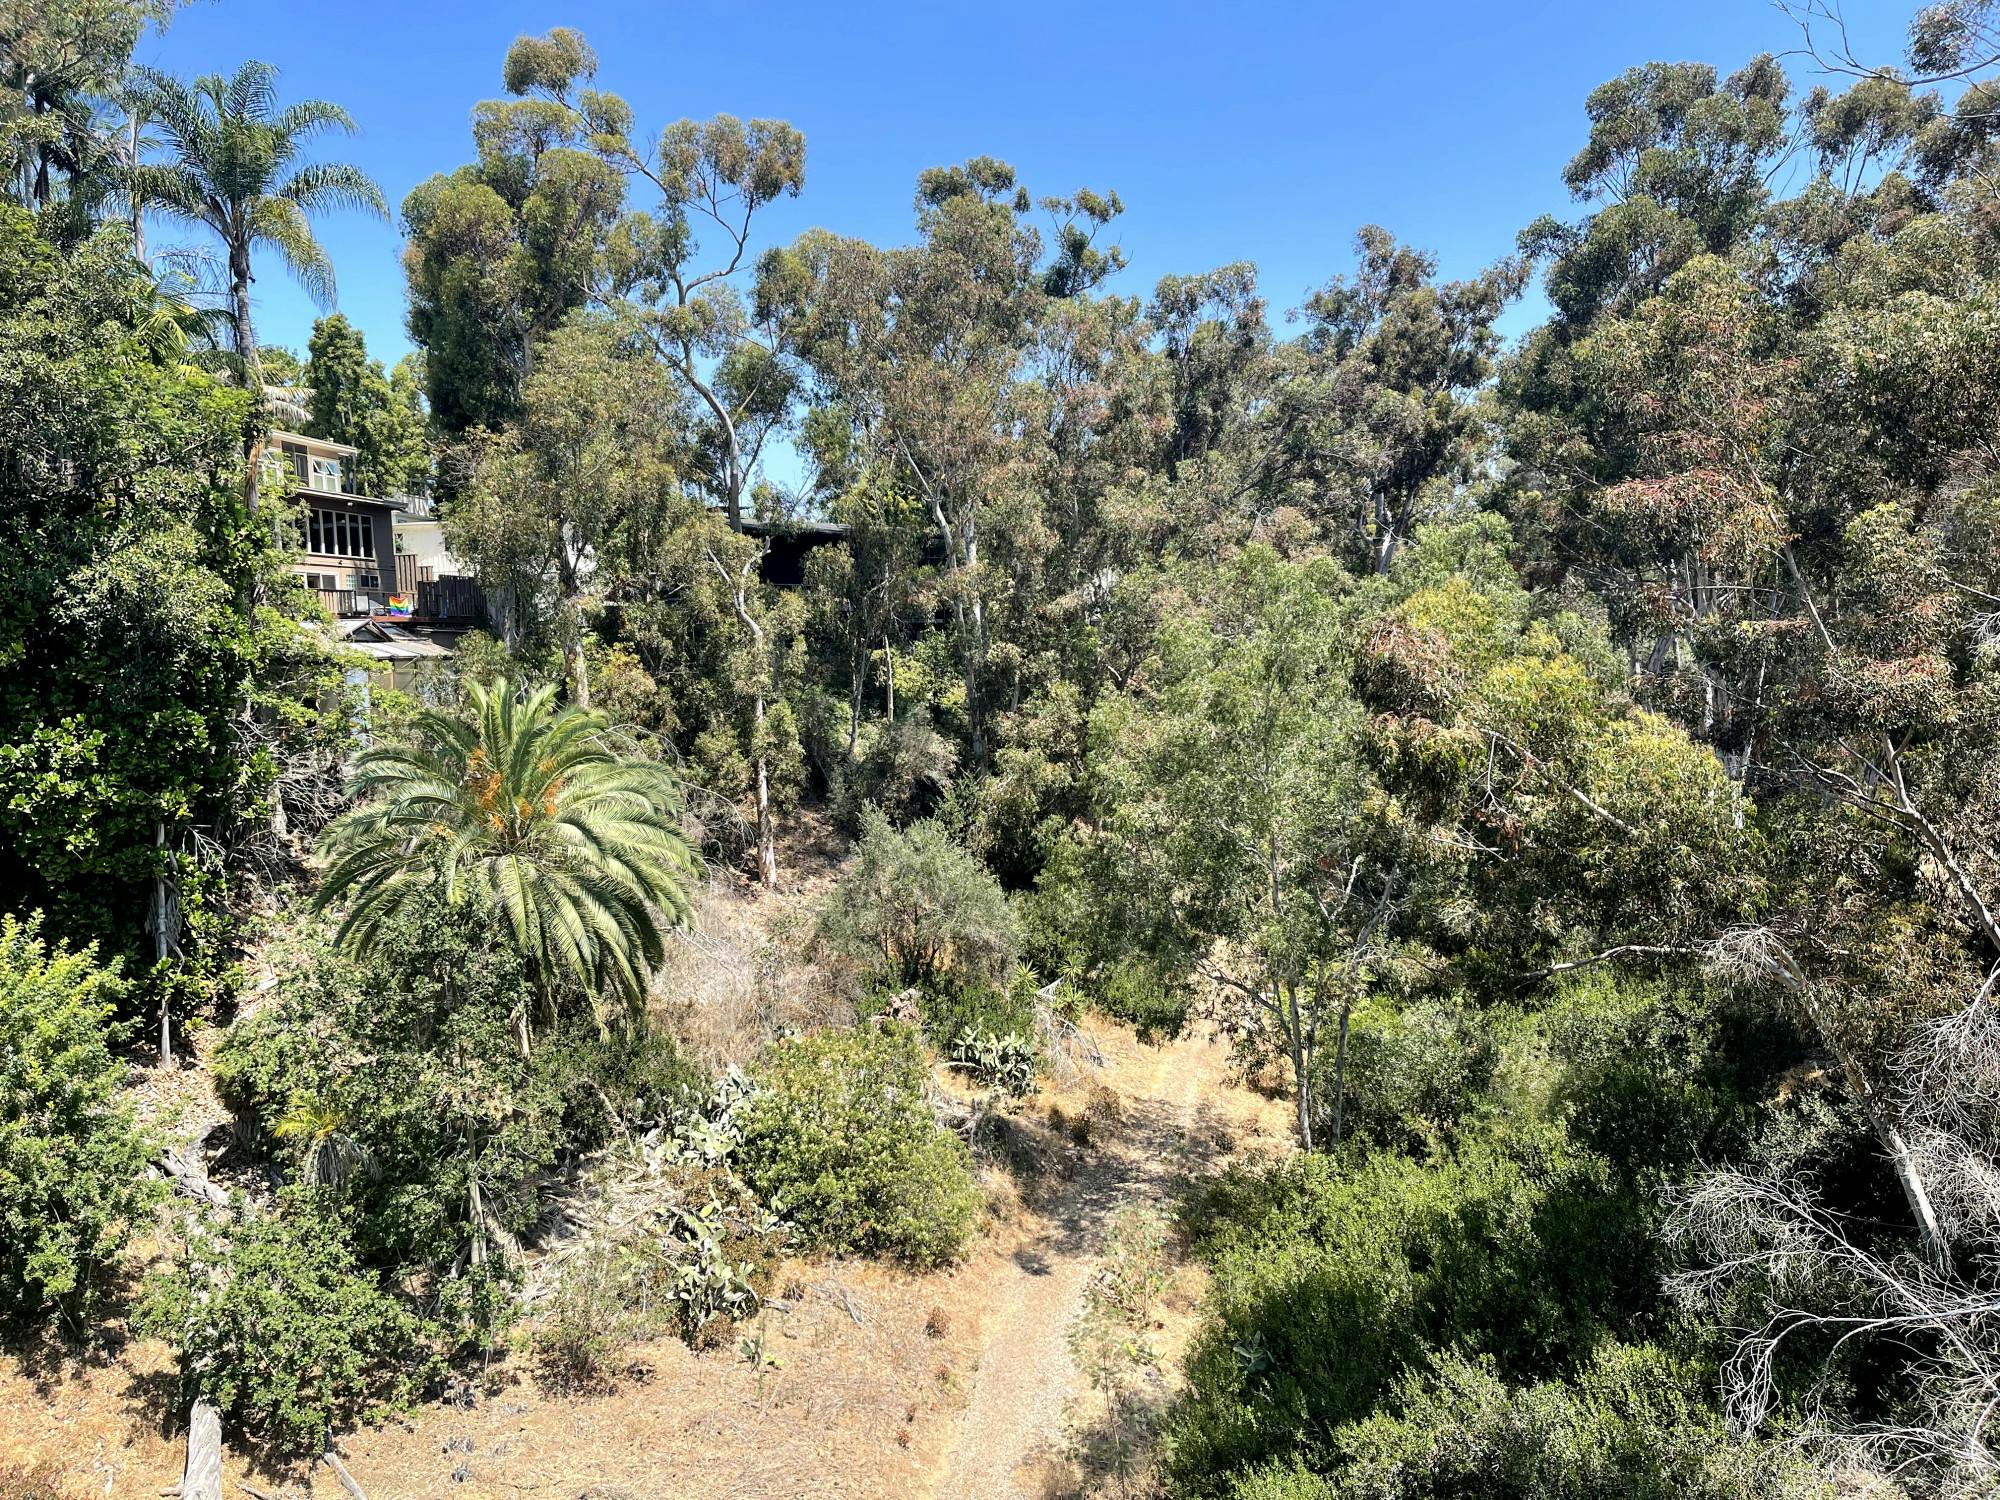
pixel 334 185
pixel 280 225
pixel 311 117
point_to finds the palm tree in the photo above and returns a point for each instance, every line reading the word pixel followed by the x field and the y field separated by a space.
pixel 234 167
pixel 535 811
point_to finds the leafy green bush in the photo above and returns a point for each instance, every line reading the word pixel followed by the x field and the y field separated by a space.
pixel 949 1006
pixel 1413 1075
pixel 1081 924
pixel 915 907
pixel 1660 1076
pixel 840 1139
pixel 394 1082
pixel 73 1180
pixel 902 768
pixel 1333 1278
pixel 1139 993
pixel 276 1322
pixel 1629 1423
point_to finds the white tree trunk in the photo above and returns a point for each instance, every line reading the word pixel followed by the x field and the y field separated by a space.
pixel 202 1479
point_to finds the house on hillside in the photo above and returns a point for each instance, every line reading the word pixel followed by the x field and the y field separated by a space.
pixel 348 541
pixel 393 606
pixel 421 554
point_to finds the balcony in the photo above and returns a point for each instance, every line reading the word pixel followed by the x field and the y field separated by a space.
pixel 351 603
pixel 432 601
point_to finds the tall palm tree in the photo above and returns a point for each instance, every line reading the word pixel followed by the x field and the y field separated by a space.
pixel 234 166
pixel 532 810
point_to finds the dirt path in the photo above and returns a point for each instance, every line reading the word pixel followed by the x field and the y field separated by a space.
pixel 1180 1114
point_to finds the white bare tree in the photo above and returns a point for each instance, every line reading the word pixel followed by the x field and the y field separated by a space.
pixel 1800 1279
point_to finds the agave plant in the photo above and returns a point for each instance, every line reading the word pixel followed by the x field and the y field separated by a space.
pixel 536 811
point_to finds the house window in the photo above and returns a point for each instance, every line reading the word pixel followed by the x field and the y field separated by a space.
pixel 327 581
pixel 275 471
pixel 325 475
pixel 338 533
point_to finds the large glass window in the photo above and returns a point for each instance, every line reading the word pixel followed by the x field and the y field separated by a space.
pixel 338 533
pixel 325 475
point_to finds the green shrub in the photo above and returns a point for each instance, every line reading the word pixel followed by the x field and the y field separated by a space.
pixel 73 1181
pixel 949 1007
pixel 1334 1277
pixel 904 769
pixel 274 1321
pixel 915 907
pixel 1283 1481
pixel 1412 1075
pixel 1139 994
pixel 1084 922
pixel 1662 1076
pixel 1630 1423
pixel 393 1081
pixel 840 1139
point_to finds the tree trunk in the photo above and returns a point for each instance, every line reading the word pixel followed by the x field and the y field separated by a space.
pixel 137 208
pixel 579 671
pixel 202 1478
pixel 1340 1074
pixel 163 939
pixel 888 681
pixel 1936 1250
pixel 857 678
pixel 767 833
pixel 767 828
pixel 252 371
pixel 1301 1065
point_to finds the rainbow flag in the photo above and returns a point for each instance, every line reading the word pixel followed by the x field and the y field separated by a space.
pixel 400 606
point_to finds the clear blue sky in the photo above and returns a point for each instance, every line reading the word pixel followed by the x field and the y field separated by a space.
pixel 1258 131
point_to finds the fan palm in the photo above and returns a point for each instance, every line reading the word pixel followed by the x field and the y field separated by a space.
pixel 530 809
pixel 234 166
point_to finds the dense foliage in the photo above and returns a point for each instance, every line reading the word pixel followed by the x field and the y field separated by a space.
pixel 72 1189
pixel 274 1322
pixel 533 811
pixel 1568 772
pixel 841 1138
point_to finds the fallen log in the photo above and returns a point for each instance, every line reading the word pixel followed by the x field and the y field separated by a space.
pixel 182 1166
pixel 347 1480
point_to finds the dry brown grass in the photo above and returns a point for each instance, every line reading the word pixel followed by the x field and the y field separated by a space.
pixel 743 975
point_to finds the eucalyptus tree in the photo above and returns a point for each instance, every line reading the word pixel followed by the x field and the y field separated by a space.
pixel 501 251
pixel 926 351
pixel 62 71
pixel 533 810
pixel 578 484
pixel 1375 427
pixel 1760 429
pixel 716 175
pixel 235 165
